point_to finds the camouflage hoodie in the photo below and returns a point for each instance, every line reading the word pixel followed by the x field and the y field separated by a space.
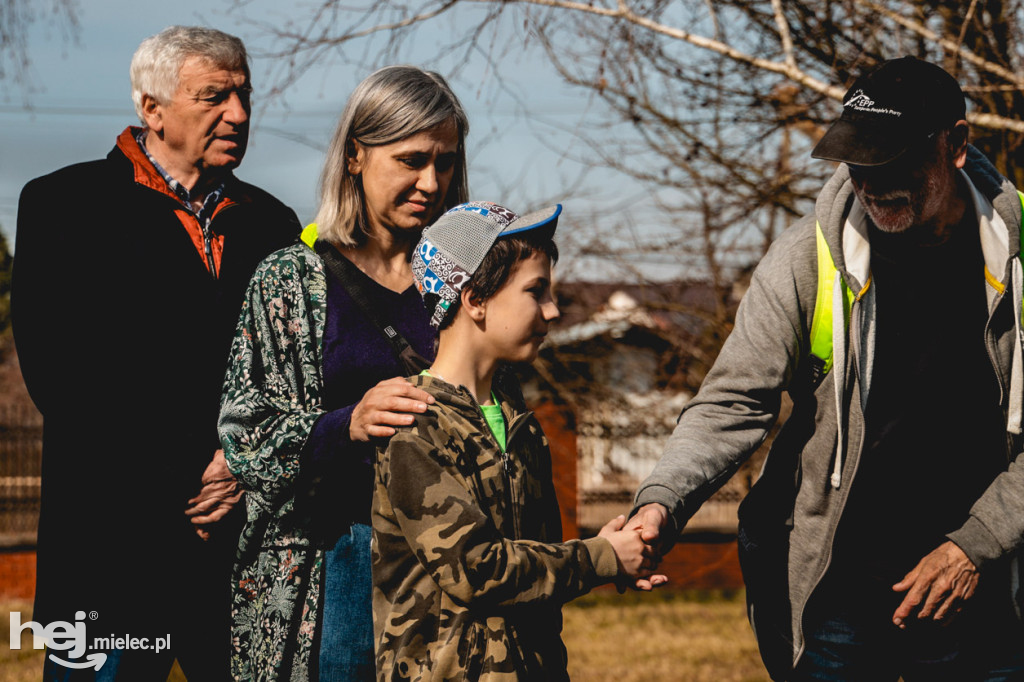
pixel 469 571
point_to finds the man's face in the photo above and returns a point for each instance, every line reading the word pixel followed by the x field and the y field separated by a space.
pixel 205 125
pixel 913 189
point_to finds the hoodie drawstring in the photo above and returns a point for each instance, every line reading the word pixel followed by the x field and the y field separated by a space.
pixel 1015 412
pixel 839 373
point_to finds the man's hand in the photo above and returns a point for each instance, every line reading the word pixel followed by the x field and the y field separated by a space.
pixel 635 557
pixel 219 494
pixel 650 520
pixel 943 580
pixel 385 406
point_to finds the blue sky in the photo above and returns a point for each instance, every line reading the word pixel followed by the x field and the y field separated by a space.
pixel 81 100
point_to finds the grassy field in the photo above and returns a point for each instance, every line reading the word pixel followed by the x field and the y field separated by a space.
pixel 610 637
pixel 22 665
pixel 661 636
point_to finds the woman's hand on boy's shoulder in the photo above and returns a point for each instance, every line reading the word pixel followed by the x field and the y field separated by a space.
pixel 390 403
pixel 637 559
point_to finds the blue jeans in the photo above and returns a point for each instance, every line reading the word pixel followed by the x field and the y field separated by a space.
pixel 346 637
pixel 850 638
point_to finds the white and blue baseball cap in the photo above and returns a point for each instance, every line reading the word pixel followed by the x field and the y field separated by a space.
pixel 451 249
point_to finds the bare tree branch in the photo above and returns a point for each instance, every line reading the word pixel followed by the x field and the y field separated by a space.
pixel 710 107
pixel 963 28
pixel 622 11
pixel 16 17
pixel 787 39
pixel 334 40
pixel 948 44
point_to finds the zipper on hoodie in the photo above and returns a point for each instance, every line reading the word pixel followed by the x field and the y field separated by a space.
pixel 833 528
pixel 844 491
pixel 512 429
pixel 506 467
pixel 510 489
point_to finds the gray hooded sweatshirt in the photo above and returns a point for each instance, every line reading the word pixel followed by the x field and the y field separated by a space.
pixel 788 520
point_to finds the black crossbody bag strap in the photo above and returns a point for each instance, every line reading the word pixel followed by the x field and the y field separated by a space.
pixel 344 271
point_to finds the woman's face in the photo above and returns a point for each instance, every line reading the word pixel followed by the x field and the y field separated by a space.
pixel 405 182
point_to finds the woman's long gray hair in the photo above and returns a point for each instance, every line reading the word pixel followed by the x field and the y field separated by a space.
pixel 389 105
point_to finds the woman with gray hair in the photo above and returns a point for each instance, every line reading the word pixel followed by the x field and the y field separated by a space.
pixel 325 336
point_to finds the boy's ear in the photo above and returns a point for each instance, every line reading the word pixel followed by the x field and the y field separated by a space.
pixel 475 308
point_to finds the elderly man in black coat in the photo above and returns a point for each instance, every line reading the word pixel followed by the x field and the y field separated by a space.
pixel 128 279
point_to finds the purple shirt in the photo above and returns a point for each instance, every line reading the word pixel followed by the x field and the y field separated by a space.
pixel 356 357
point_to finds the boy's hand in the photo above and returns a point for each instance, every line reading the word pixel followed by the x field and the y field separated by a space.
pixel 636 558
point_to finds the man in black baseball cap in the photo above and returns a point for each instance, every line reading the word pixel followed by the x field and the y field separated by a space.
pixel 881 540
pixel 898 124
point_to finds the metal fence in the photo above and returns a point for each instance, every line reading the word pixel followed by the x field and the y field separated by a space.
pixel 717 515
pixel 21 452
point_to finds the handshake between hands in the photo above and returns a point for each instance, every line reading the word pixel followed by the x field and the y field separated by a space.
pixel 638 546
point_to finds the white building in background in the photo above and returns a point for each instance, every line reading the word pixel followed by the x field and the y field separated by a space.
pixel 613 369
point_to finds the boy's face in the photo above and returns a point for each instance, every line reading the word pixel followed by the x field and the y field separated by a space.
pixel 517 316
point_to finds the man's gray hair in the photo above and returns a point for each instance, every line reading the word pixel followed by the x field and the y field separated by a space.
pixel 391 104
pixel 157 63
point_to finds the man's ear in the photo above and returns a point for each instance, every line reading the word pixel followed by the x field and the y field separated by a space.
pixel 355 156
pixel 476 309
pixel 152 113
pixel 958 142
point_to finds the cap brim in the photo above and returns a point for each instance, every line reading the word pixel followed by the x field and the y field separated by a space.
pixel 545 219
pixel 861 144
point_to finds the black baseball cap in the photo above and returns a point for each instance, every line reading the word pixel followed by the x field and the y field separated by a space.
pixel 886 111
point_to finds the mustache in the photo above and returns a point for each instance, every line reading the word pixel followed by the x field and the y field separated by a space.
pixel 890 196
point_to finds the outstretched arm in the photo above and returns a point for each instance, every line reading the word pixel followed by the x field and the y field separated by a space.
pixel 739 400
pixel 423 498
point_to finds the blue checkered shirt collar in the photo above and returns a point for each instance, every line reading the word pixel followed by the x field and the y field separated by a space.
pixel 205 214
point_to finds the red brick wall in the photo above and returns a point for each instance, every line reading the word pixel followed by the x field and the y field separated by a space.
pixel 17 575
pixel 703 564
pixel 559 427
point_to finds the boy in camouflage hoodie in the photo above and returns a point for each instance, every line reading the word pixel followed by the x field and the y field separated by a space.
pixel 469 571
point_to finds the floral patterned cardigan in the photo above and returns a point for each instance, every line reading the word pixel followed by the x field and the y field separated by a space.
pixel 272 398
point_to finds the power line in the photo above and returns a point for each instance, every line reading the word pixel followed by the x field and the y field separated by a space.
pixel 66 111
pixel 79 110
